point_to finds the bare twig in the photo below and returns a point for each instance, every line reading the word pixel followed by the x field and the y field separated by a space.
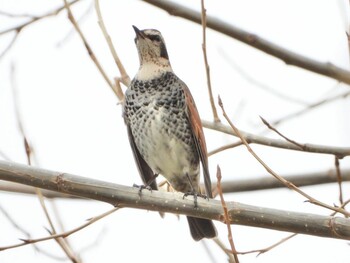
pixel 311 107
pixel 125 79
pixel 80 20
pixel 224 148
pixel 339 179
pixel 342 206
pixel 4 13
pixel 60 241
pixel 118 90
pixel 27 147
pixel 36 18
pixel 61 235
pixel 18 29
pixel 252 138
pixel 87 46
pixel 226 216
pixel 278 177
pixel 301 146
pixel 289 57
pixel 9 46
pixel 206 63
pixel 228 252
pixel 209 252
pixel 26 234
pixel 264 250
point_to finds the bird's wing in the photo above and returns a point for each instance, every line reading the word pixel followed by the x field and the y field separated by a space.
pixel 198 136
pixel 145 171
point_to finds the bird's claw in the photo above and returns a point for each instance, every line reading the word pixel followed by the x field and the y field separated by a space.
pixel 195 195
pixel 141 187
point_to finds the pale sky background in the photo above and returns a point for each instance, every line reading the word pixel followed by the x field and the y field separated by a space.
pixel 74 123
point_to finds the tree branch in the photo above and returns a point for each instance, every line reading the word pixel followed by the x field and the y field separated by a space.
pixel 340 152
pixel 264 182
pixel 206 63
pixel 35 19
pixel 87 46
pixel 123 196
pixel 261 182
pixel 289 57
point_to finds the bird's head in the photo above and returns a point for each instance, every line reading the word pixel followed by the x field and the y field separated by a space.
pixel 151 47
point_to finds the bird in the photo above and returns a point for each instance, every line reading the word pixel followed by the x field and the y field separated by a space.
pixel 164 128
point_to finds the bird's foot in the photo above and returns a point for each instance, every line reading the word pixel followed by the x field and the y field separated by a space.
pixel 141 187
pixel 195 196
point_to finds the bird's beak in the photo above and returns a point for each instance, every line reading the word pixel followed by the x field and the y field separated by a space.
pixel 139 33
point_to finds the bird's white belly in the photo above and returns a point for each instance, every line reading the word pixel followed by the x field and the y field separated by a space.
pixel 167 154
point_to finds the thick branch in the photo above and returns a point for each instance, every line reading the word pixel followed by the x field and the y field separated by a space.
pixel 122 196
pixel 340 152
pixel 262 182
pixel 326 69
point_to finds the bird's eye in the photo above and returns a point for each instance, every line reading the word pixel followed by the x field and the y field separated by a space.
pixel 155 38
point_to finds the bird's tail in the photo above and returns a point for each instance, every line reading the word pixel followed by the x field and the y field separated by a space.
pixel 201 228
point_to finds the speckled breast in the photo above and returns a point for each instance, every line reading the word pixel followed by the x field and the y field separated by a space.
pixel 156 113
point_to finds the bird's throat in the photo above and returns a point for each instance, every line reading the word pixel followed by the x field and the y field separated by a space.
pixel 149 71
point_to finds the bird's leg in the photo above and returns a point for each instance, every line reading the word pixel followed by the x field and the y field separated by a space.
pixel 193 192
pixel 147 185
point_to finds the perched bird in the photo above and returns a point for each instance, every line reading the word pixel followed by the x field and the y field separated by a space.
pixel 164 128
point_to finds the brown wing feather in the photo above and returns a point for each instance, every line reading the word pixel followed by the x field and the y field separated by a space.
pixel 198 136
pixel 145 171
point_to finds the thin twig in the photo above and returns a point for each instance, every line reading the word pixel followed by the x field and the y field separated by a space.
pixel 125 79
pixel 61 235
pixel 80 21
pixel 264 250
pixel 27 234
pixel 118 90
pixel 9 46
pixel 301 146
pixel 227 251
pixel 224 148
pixel 36 18
pixel 311 107
pixel 342 206
pixel 87 46
pixel 262 140
pixel 27 147
pixel 206 63
pixel 60 241
pixel 339 179
pixel 278 177
pixel 226 216
pixel 209 252
pixel 3 13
